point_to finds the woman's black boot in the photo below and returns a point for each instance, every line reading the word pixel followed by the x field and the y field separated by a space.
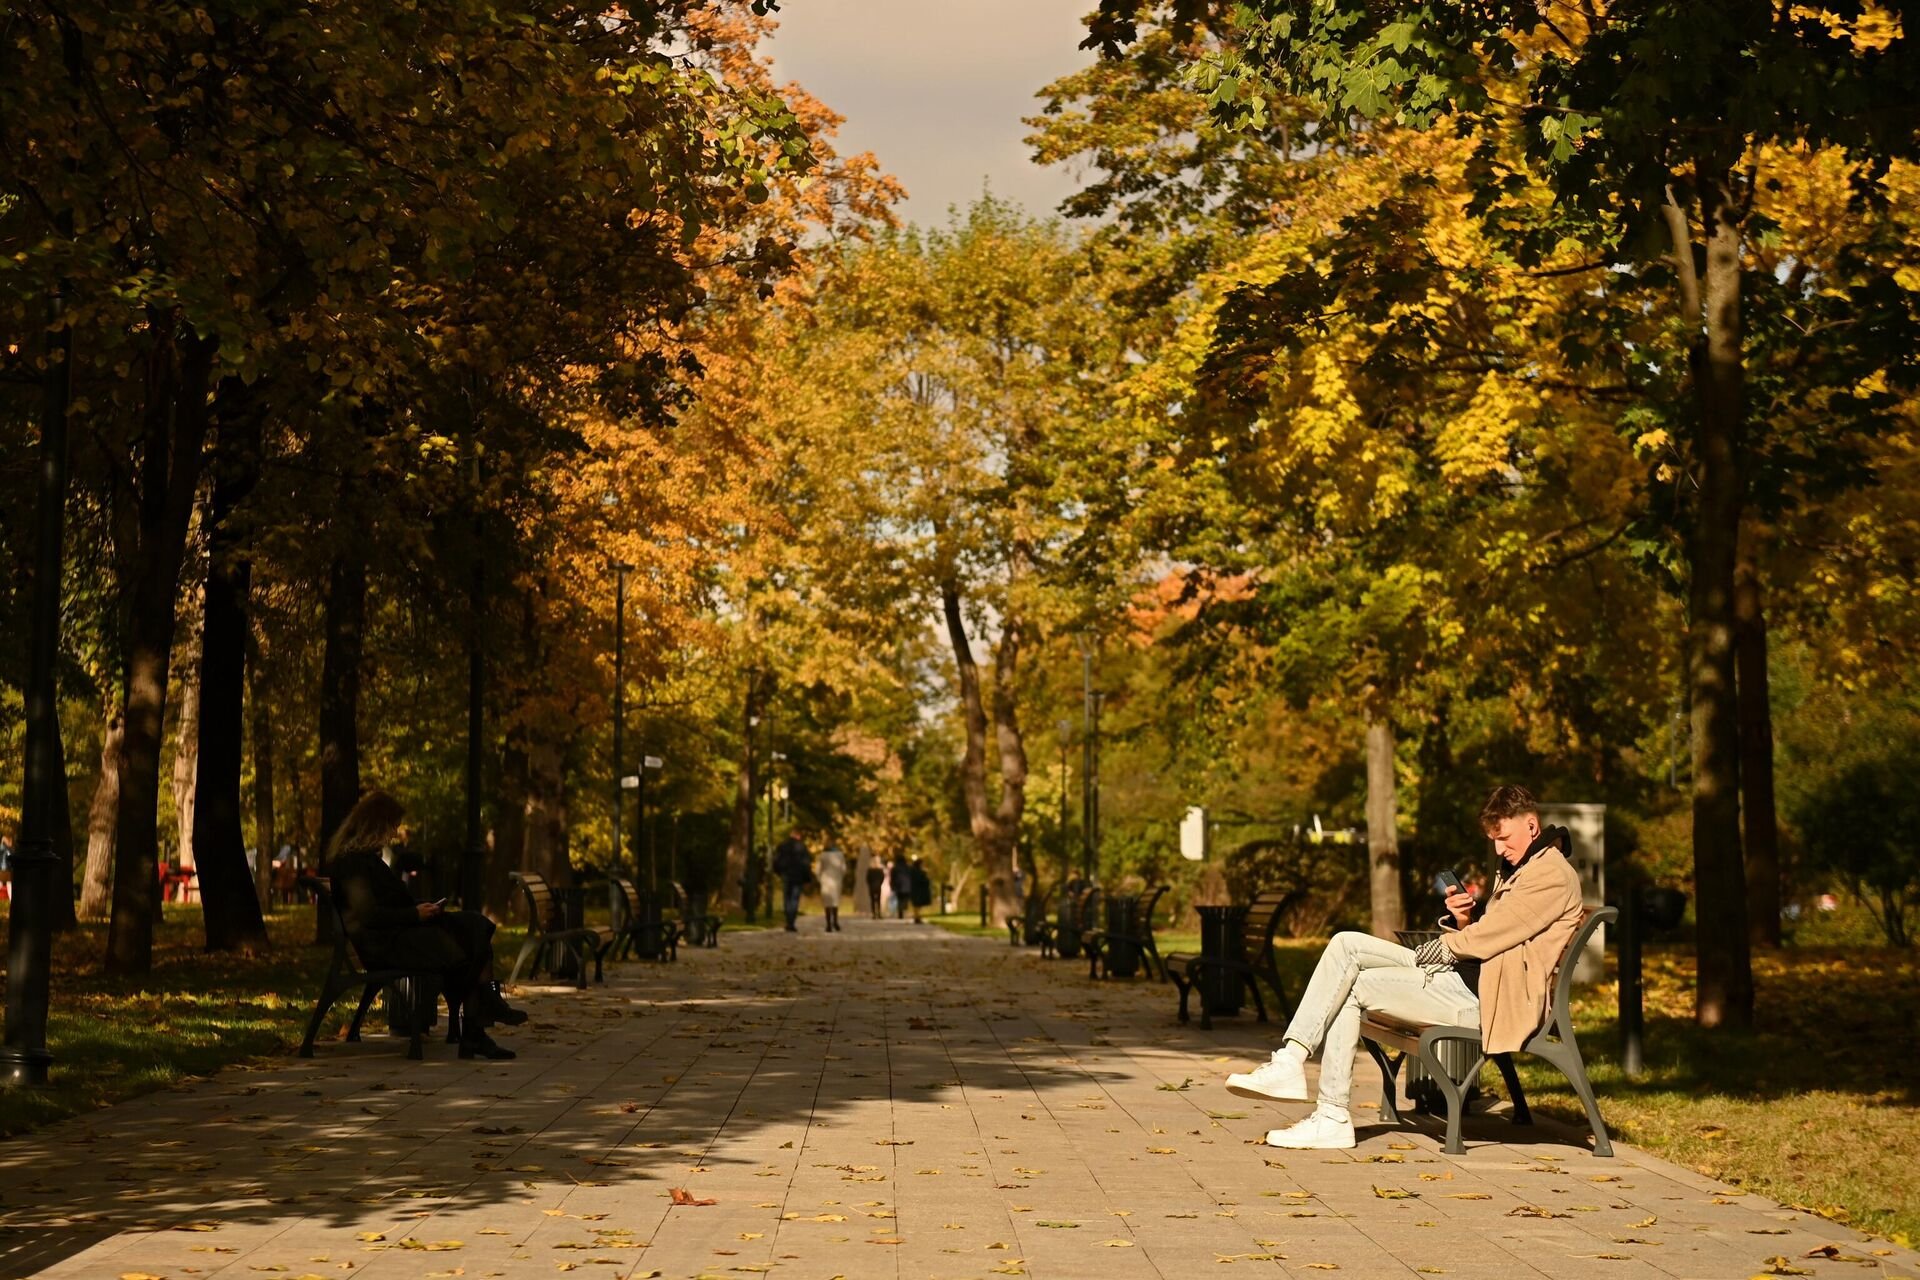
pixel 483 1046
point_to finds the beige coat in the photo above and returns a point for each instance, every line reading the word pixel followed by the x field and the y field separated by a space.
pixel 1529 921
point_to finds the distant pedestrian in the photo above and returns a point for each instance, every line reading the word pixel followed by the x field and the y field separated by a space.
pixel 921 888
pixel 876 878
pixel 832 874
pixel 900 881
pixel 794 867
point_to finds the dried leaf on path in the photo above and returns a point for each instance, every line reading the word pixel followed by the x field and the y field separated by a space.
pixel 683 1196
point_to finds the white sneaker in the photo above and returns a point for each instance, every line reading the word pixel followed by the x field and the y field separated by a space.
pixel 1315 1133
pixel 1282 1078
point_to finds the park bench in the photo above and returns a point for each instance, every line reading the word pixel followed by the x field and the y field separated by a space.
pixel 1025 927
pixel 636 929
pixel 1554 1041
pixel 343 975
pixel 1100 943
pixel 1061 936
pixel 1254 964
pixel 549 936
pixel 698 926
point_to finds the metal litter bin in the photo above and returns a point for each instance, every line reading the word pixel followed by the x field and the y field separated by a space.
pixel 1456 1056
pixel 1222 937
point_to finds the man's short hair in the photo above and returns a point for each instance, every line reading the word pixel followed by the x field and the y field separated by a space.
pixel 1507 801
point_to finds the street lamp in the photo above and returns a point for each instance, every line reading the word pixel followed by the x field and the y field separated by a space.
pixel 1064 727
pixel 1090 764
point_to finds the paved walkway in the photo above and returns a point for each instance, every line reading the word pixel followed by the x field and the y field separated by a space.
pixel 888 1102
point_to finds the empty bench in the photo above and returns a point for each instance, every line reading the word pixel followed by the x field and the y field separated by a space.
pixel 1554 1041
pixel 1102 944
pixel 1254 964
pixel 638 929
pixel 549 936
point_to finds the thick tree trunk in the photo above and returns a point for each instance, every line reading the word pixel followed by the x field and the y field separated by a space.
pixel 546 848
pixel 340 704
pixel 1383 829
pixel 340 690
pixel 1725 993
pixel 60 906
pixel 266 830
pixel 229 906
pixel 175 432
pixel 993 836
pixel 1759 819
pixel 740 837
pixel 96 891
pixel 509 829
pixel 186 761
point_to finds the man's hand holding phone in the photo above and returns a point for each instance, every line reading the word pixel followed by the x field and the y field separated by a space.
pixel 1459 901
pixel 428 910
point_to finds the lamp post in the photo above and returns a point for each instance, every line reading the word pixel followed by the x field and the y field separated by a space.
pixel 25 1059
pixel 1064 727
pixel 620 572
pixel 1090 764
pixel 750 870
pixel 641 833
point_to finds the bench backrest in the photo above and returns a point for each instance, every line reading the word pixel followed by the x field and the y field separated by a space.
pixel 1146 908
pixel 323 900
pixel 1263 921
pixel 543 909
pixel 624 898
pixel 1560 1015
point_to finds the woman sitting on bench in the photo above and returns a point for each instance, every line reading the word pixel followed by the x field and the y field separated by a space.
pixel 389 930
pixel 1490 968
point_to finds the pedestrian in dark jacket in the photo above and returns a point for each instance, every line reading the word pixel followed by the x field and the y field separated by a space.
pixel 794 866
pixel 876 876
pixel 921 888
pixel 389 930
pixel 900 880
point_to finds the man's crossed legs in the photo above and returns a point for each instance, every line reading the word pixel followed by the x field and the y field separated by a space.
pixel 1357 973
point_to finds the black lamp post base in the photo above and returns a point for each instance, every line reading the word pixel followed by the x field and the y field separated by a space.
pixel 24 1066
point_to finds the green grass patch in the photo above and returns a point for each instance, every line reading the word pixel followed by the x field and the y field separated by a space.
pixel 967 924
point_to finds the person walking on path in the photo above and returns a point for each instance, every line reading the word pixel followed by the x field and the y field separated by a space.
pixel 832 874
pixel 794 867
pixel 389 929
pixel 921 888
pixel 900 882
pixel 1489 968
pixel 876 880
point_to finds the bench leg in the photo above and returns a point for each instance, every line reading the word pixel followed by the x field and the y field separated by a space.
pixel 1093 962
pixel 1184 987
pixel 1521 1115
pixel 360 1014
pixel 1259 1005
pixel 328 995
pixel 1567 1058
pixel 527 948
pixel 1389 1080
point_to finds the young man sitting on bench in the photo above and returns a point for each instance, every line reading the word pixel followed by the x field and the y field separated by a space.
pixel 1490 967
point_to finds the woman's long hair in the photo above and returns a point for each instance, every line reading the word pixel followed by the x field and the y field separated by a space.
pixel 372 824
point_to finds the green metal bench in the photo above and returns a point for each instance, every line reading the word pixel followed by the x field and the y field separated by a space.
pixel 343 975
pixel 1253 965
pixel 655 938
pixel 1100 943
pixel 549 936
pixel 1554 1041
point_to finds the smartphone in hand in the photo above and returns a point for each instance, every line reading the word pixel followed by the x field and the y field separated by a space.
pixel 1446 884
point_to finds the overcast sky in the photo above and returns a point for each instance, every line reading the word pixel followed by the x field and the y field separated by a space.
pixel 937 88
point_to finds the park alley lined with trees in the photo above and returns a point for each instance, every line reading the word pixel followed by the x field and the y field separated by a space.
pixel 1407 401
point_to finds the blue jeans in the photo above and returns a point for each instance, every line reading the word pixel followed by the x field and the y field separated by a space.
pixel 792 899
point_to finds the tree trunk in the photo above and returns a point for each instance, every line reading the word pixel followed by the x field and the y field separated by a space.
pixel 60 910
pixel 1383 829
pixel 1725 993
pixel 509 829
pixel 734 888
pixel 340 690
pixel 266 830
pixel 1761 823
pixel 993 837
pixel 175 431
pixel 546 848
pixel 340 704
pixel 102 812
pixel 186 761
pixel 229 906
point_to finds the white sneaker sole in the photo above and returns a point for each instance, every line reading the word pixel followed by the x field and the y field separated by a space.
pixel 1248 1091
pixel 1348 1145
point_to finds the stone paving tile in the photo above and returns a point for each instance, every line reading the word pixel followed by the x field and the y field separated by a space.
pixel 891 1102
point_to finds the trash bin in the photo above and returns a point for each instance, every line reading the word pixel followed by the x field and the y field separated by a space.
pixel 1455 1055
pixel 1222 937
